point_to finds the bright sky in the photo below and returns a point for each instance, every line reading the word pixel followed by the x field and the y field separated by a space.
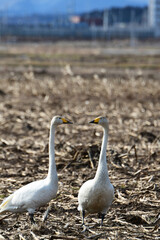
pixel 63 5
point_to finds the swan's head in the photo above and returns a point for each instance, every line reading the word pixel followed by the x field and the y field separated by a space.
pixel 101 121
pixel 58 120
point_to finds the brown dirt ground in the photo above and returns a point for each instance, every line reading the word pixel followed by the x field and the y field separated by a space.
pixel 38 81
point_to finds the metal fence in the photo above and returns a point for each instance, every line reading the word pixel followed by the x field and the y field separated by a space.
pixel 72 32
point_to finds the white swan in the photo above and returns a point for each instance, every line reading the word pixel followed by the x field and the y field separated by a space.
pixel 38 193
pixel 96 195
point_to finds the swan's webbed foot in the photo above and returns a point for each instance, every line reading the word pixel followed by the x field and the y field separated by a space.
pixel 85 228
pixel 88 228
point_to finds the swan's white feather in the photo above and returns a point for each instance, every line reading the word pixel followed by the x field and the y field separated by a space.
pixel 95 197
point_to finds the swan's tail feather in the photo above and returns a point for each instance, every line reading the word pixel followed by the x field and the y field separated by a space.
pixel 4 204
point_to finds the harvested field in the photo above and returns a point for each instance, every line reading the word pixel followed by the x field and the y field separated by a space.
pixel 38 81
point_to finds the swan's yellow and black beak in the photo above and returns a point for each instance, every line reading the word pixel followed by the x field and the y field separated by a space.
pixel 95 121
pixel 65 121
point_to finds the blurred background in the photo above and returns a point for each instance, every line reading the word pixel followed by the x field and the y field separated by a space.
pixel 82 59
pixel 22 20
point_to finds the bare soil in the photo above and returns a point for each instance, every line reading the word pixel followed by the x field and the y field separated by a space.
pixel 81 82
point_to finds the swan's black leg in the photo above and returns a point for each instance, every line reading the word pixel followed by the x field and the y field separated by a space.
pixel 102 218
pixel 31 215
pixel 83 216
pixel 45 216
pixel 84 226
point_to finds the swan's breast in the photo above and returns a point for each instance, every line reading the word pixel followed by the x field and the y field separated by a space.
pixel 100 198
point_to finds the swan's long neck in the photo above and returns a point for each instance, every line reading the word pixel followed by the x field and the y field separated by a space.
pixel 52 172
pixel 102 170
